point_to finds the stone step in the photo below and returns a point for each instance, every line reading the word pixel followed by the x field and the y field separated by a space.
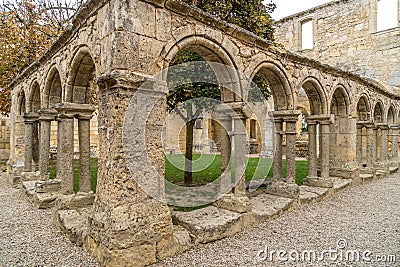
pixel 310 194
pixel 211 223
pixel 74 223
pixel 265 206
pixel 41 200
pixel 366 177
pixel 340 183
pixel 393 169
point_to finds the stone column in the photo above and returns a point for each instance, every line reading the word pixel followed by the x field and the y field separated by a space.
pixel 359 145
pixel 371 144
pixel 226 181
pixel 395 144
pixel 65 151
pixel 85 178
pixel 240 154
pixel 46 116
pixel 291 148
pixel 384 142
pixel 29 119
pixel 325 130
pixel 277 164
pixel 312 149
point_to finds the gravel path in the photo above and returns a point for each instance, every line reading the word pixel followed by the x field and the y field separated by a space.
pixel 28 236
pixel 367 218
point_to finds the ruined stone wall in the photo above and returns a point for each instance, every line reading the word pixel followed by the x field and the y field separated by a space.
pixel 4 138
pixel 345 36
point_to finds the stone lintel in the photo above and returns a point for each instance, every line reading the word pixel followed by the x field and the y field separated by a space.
pixel 47 114
pixel 394 126
pixel 73 109
pixel 285 115
pixel 322 119
pixel 382 126
pixel 31 117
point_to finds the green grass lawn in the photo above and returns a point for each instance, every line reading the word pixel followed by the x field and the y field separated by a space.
pixel 206 168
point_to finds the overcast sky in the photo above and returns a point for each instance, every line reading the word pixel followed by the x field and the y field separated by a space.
pixel 289 7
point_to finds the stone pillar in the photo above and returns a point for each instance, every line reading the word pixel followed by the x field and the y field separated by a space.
pixel 325 130
pixel 384 142
pixel 291 148
pixel 226 149
pixel 240 154
pixel 371 145
pixel 46 116
pixel 85 178
pixel 312 149
pixel 29 119
pixel 395 145
pixel 65 151
pixel 359 144
pixel 277 164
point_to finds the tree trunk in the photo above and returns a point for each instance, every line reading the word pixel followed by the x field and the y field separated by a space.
pixel 188 177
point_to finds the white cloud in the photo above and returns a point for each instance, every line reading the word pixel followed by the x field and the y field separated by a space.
pixel 289 7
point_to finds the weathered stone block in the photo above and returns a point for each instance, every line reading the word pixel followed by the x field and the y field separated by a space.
pixel 234 203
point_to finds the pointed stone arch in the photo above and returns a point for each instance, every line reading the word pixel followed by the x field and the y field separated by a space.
pixel 340 101
pixel 363 108
pixel 53 89
pixel 315 94
pixel 34 101
pixel 378 112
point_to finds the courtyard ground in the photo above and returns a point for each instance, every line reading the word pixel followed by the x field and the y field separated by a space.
pixel 365 217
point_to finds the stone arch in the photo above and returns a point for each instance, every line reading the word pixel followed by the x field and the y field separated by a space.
pixel 378 112
pixel 210 51
pixel 81 76
pixel 53 88
pixel 340 101
pixel 363 108
pixel 34 101
pixel 281 89
pixel 315 94
pixel 391 115
pixel 21 103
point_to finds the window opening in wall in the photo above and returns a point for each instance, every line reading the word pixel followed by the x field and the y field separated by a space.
pixel 307 40
pixel 387 14
pixel 253 133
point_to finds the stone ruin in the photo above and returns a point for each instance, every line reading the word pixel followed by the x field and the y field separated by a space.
pixel 120 46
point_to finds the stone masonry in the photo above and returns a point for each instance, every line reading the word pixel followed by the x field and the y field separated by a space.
pixel 119 46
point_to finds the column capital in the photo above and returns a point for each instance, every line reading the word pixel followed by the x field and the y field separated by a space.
pixel 84 116
pixel 285 115
pixel 382 126
pixel 31 117
pixel 47 114
pixel 322 118
pixel 370 125
pixel 394 126
pixel 73 109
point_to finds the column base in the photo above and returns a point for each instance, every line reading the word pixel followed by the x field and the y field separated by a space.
pixel 232 202
pixel 382 169
pixel 14 172
pixel 283 189
pixel 136 234
pixel 318 182
pixel 30 176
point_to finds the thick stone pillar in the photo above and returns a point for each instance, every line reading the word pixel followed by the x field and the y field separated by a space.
pixel 384 142
pixel 395 145
pixel 359 144
pixel 371 146
pixel 343 150
pixel 29 119
pixel 312 148
pixel 46 116
pixel 291 147
pixel 325 130
pixel 85 178
pixel 65 151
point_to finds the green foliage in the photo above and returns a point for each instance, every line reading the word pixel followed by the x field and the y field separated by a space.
pixel 259 89
pixel 251 15
pixel 192 67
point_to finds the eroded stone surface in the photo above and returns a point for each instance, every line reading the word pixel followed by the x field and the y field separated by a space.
pixel 265 206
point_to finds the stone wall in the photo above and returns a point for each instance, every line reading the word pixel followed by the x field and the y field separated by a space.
pixel 4 138
pixel 345 36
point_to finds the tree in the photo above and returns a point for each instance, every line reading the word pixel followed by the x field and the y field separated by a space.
pixel 252 15
pixel 27 29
